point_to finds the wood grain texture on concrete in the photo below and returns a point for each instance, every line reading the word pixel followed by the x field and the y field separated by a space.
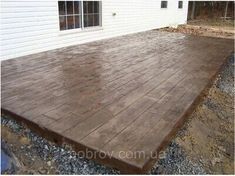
pixel 122 97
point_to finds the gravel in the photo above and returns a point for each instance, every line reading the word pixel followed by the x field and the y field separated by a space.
pixel 226 78
pixel 176 162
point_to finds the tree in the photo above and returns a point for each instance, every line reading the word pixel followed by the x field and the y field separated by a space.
pixel 193 10
pixel 226 10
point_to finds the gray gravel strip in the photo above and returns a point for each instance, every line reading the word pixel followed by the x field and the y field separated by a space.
pixel 226 78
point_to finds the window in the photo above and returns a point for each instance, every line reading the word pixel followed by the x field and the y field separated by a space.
pixel 163 4
pixel 180 4
pixel 91 13
pixel 69 14
pixel 79 14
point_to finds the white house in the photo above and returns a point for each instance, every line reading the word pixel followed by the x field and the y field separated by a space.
pixel 32 26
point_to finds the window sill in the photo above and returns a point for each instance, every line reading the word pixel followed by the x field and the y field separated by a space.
pixel 79 30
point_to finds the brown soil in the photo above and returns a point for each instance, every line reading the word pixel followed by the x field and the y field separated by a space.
pixel 213 23
pixel 203 30
pixel 208 137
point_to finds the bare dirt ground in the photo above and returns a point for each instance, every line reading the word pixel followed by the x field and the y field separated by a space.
pixel 210 28
pixel 226 24
pixel 204 145
pixel 208 137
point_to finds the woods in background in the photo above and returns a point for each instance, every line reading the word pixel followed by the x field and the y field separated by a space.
pixel 211 10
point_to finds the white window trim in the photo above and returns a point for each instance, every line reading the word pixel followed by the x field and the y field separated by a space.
pixel 79 30
pixel 82 28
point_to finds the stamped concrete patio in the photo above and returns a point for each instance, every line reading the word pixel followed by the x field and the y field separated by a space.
pixel 121 99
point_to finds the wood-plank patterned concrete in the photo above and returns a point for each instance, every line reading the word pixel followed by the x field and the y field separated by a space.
pixel 124 96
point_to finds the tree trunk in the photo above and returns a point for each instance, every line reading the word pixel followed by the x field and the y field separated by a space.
pixel 226 10
pixel 193 10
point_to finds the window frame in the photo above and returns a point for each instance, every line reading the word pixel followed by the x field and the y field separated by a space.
pixel 162 4
pixel 81 14
pixel 182 5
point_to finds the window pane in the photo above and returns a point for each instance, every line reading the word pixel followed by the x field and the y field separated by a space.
pixel 91 13
pixel 76 7
pixel 90 20
pixel 96 20
pixel 77 21
pixel 70 22
pixel 85 7
pixel 180 4
pixel 70 15
pixel 163 4
pixel 85 20
pixel 62 22
pixel 69 7
pixel 90 7
pixel 61 8
pixel 96 6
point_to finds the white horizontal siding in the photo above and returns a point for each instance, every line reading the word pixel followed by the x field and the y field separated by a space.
pixel 31 26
